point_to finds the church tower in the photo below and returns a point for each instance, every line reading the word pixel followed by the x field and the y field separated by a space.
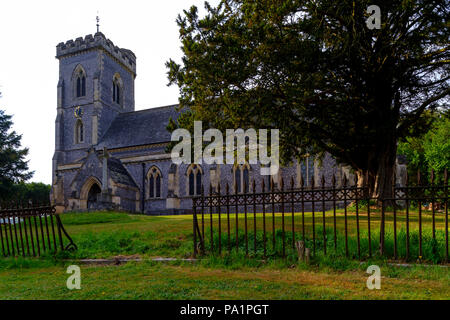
pixel 96 83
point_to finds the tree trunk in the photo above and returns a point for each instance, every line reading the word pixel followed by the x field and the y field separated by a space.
pixel 380 180
pixel 379 177
pixel 384 178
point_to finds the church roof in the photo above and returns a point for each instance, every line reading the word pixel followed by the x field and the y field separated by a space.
pixel 119 174
pixel 139 128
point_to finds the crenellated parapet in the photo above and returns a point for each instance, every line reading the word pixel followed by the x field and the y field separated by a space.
pixel 125 56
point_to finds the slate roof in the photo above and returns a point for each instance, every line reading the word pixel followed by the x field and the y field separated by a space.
pixel 139 128
pixel 119 174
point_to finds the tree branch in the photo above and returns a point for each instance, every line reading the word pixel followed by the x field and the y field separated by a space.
pixel 417 113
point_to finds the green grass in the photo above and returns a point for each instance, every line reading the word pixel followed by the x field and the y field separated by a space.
pixel 97 218
pixel 106 234
pixel 210 280
pixel 433 250
pixel 122 234
pixel 226 276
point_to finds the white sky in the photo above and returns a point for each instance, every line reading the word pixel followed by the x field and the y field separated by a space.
pixel 29 33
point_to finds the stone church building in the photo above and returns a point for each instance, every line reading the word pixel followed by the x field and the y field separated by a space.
pixel 109 156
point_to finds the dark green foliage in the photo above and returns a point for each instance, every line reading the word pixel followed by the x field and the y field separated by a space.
pixel 13 166
pixel 314 70
pixel 429 151
pixel 36 192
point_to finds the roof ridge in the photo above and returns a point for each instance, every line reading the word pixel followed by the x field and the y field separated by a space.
pixel 150 109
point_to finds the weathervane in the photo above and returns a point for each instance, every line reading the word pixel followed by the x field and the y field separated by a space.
pixel 98 21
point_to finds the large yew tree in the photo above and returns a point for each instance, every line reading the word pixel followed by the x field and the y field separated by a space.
pixel 316 71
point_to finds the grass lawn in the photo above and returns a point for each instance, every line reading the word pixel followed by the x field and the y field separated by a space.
pixel 102 235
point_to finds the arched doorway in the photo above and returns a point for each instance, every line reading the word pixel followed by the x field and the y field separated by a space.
pixel 89 193
pixel 93 193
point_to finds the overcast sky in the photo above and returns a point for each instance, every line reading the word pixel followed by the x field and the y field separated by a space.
pixel 29 33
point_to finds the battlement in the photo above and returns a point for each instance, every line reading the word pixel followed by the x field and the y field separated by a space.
pixel 98 40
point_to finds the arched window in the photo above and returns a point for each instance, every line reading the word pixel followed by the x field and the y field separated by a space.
pixel 237 180
pixel 117 89
pixel 80 82
pixel 307 170
pixel 245 177
pixel 158 186
pixel 268 183
pixel 79 132
pixel 191 183
pixel 154 182
pixel 241 178
pixel 194 174
pixel 198 183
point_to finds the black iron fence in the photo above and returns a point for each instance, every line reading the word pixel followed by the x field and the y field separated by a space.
pixel 412 224
pixel 32 230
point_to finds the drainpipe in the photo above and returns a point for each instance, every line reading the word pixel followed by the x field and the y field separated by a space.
pixel 143 188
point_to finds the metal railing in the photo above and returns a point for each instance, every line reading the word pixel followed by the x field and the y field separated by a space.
pixel 325 217
pixel 32 230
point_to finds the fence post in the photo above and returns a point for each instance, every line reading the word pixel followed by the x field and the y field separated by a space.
pixel 273 211
pixel 36 229
pixel 419 184
pixel 263 190
pixel 25 227
pixel 446 212
pixel 394 203
pixel 52 212
pixel 302 190
pixel 10 230
pixel 366 191
pixel 236 206
pixel 58 226
pixel 227 193
pixel 313 195
pixel 333 182
pixel 282 217
pixel 344 189
pixel 1 232
pixel 382 225
pixel 293 210
pixel 46 228
pixel 357 216
pixel 19 211
pixel 254 214
pixel 194 207
pixel 5 216
pixel 324 231
pixel 244 196
pixel 432 204
pixel 211 218
pixel 219 202
pixel 42 228
pixel 407 215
